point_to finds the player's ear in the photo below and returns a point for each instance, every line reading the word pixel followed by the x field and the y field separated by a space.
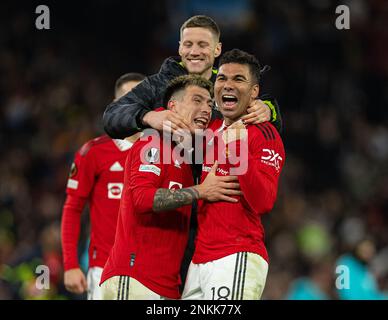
pixel 255 91
pixel 180 48
pixel 218 50
pixel 171 105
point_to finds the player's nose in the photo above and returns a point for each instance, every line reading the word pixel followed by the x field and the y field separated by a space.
pixel 228 86
pixel 205 110
pixel 195 50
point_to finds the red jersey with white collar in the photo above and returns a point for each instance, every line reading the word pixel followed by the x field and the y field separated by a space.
pixel 96 177
pixel 225 228
pixel 149 246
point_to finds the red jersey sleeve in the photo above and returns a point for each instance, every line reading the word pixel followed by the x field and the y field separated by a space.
pixel 265 161
pixel 145 173
pixel 83 172
pixel 70 230
pixel 79 185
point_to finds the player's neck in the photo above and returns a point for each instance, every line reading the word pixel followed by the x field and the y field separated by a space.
pixel 134 137
pixel 207 74
pixel 229 121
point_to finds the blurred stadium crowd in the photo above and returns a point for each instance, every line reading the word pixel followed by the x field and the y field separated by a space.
pixel 331 85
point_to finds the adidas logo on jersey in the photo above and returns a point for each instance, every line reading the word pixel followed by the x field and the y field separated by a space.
pixel 175 185
pixel 116 167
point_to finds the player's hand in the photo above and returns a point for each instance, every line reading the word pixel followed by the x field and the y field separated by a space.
pixel 166 120
pixel 75 281
pixel 258 112
pixel 236 131
pixel 219 188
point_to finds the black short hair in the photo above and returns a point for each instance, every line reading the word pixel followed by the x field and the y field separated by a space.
pixel 201 21
pixel 182 82
pixel 242 57
pixel 128 77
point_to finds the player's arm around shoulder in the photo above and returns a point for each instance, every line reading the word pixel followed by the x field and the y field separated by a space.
pixel 214 188
pixel 124 117
pixel 276 117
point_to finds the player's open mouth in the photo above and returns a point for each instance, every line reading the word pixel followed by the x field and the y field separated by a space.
pixel 201 122
pixel 229 100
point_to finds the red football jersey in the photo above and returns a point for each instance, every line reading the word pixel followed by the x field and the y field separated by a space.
pixel 225 228
pixel 149 246
pixel 96 177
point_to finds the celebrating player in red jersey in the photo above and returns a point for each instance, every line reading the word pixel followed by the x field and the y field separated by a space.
pixel 230 259
pixel 154 216
pixel 96 177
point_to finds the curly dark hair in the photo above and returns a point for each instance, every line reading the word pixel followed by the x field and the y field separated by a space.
pixel 242 57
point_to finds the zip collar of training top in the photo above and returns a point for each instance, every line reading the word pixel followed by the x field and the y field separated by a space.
pixel 213 76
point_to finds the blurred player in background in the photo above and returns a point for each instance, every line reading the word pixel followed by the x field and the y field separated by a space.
pixel 154 216
pixel 230 259
pixel 96 177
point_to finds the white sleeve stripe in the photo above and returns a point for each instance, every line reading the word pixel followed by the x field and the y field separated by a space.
pixel 72 184
pixel 150 168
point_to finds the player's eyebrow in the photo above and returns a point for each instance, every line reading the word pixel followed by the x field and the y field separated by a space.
pixel 235 76
pixel 240 76
pixel 197 95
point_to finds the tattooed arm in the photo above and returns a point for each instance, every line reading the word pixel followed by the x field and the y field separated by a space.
pixel 166 199
pixel 213 188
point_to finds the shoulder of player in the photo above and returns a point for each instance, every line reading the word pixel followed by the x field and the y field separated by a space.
pixel 173 66
pixel 150 139
pixel 146 150
pixel 264 131
pixel 170 68
pixel 94 144
pixel 157 83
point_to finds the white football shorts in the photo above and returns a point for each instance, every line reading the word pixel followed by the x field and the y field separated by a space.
pixel 127 288
pixel 239 276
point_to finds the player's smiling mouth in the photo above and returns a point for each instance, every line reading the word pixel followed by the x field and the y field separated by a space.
pixel 229 100
pixel 195 60
pixel 201 122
